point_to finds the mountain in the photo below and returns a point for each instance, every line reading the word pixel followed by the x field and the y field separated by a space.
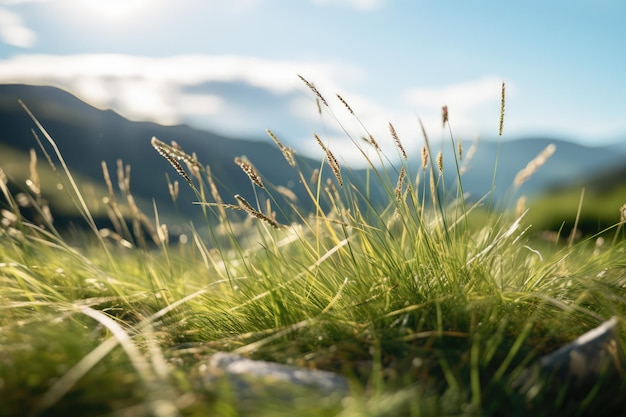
pixel 86 136
pixel 571 163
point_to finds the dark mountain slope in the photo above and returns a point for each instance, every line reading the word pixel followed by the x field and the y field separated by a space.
pixel 86 136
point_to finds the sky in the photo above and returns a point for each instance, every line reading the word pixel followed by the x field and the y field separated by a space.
pixel 232 66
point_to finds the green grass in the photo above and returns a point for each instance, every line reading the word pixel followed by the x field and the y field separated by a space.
pixel 429 307
pixel 558 209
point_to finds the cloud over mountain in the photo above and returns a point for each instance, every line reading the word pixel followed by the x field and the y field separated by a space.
pixel 244 95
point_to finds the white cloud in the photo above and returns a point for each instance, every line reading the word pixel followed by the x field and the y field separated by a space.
pixel 161 89
pixel 242 96
pixel 13 31
pixel 361 5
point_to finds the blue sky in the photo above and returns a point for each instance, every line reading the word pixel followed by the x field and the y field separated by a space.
pixel 231 66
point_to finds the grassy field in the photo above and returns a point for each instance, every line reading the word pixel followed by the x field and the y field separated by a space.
pixel 429 306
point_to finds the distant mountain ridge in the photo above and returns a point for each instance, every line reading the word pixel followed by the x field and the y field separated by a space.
pixel 571 163
pixel 86 136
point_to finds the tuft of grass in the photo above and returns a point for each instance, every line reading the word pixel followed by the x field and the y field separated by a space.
pixel 429 305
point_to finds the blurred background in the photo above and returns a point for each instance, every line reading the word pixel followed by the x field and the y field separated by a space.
pixel 213 75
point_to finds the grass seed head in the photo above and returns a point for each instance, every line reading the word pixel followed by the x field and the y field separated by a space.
pixel 315 91
pixel 502 97
pixel 398 189
pixel 215 193
pixel 247 207
pixel 373 142
pixel 396 140
pixel 315 175
pixel 33 181
pixel 534 165
pixel 433 190
pixel 345 103
pixel 173 190
pixel 424 157
pixel 172 155
pixel 287 152
pixel 287 193
pixel 332 161
pixel 250 171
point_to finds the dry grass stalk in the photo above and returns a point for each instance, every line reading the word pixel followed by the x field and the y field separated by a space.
pixel 460 149
pixel 138 217
pixel 370 139
pixel 115 214
pixel 34 184
pixel 108 182
pixel 440 161
pixel 469 156
pixel 115 237
pixel 268 209
pixel 396 140
pixel 345 103
pixel 287 152
pixel 424 134
pixel 286 192
pixel 332 192
pixel 424 157
pixel 172 155
pixel 534 165
pixel 139 220
pixel 215 193
pixel 433 191
pixel 247 207
pixel 444 115
pixel 399 184
pixel 315 91
pixel 33 181
pixel 176 152
pixel 195 168
pixel 4 180
pixel 250 171
pixel 622 214
pixel 173 189
pixel 123 176
pixel 315 175
pixel 332 161
pixel 520 207
pixel 502 109
pixel 137 230
pixel 163 234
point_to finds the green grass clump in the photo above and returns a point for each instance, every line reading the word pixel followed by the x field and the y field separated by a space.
pixel 427 304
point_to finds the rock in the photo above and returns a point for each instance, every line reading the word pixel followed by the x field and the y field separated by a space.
pixel 594 357
pixel 253 379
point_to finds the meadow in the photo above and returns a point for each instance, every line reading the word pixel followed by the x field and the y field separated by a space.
pixel 429 304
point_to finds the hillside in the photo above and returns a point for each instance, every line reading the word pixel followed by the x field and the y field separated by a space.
pixel 86 136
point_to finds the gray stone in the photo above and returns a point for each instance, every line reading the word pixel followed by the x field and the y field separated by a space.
pixel 594 357
pixel 249 378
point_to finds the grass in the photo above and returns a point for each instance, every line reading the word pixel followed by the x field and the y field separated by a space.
pixel 430 306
